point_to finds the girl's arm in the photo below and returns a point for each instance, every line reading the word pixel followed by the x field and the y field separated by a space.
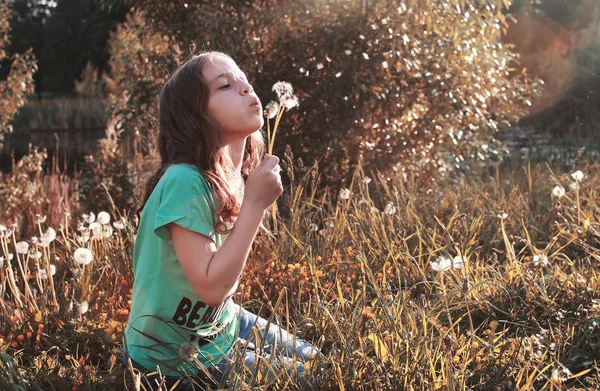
pixel 212 272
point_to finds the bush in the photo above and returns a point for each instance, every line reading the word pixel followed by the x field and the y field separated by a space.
pixel 415 88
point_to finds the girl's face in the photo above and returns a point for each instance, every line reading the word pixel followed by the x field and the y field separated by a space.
pixel 232 102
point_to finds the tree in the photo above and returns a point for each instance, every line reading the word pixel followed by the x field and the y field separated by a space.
pixel 19 79
pixel 65 36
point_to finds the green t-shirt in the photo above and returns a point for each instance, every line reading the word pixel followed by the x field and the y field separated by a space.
pixel 167 317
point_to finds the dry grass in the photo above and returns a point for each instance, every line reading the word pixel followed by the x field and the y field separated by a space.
pixel 518 306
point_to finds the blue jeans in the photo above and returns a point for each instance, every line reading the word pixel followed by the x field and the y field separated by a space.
pixel 268 351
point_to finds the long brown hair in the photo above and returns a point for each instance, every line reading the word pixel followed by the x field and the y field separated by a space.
pixel 187 134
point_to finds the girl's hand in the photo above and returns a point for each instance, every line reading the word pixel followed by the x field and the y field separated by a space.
pixel 263 185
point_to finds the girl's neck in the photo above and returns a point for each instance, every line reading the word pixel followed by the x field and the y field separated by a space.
pixel 236 150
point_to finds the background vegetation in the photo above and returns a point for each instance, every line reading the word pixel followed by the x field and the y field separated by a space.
pixel 407 249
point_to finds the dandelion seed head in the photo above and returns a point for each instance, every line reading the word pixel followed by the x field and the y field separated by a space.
pixel 83 256
pixel 103 218
pixel 541 259
pixel 118 225
pixel 573 186
pixel 52 270
pixel 577 175
pixel 558 191
pixel 96 228
pixel 89 218
pixel 291 102
pixel 22 247
pixel 367 180
pixel 283 88
pixel 187 351
pixel 36 255
pixel 83 307
pixel 441 263
pixel 107 231
pixel 271 109
pixel 390 209
pixel 49 235
pixel 502 215
pixel 42 274
pixel 344 193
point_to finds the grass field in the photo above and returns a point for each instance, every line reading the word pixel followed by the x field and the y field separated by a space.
pixel 483 283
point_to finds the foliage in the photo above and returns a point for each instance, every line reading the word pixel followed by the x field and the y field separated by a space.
pixel 19 80
pixel 409 87
pixel 77 29
pixel 26 192
pixel 108 169
pixel 356 271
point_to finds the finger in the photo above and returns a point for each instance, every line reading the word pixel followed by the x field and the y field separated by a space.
pixel 271 163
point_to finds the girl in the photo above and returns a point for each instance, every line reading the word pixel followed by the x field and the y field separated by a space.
pixel 211 186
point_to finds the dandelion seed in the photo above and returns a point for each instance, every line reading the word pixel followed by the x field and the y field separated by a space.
pixel 83 307
pixel 2 228
pixel 502 215
pixel 271 109
pixel 573 186
pixel 367 180
pixel 83 256
pixel 337 75
pixel 118 225
pixel 347 52
pixel 558 191
pixel 365 56
pixel 1 262
pixel 344 194
pixel 577 175
pixel 540 259
pixel 320 66
pixel 103 218
pixel 22 247
pixel 384 65
pixel 52 270
pixel 89 218
pixel 390 209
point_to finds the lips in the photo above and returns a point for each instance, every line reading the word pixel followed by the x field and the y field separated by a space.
pixel 255 102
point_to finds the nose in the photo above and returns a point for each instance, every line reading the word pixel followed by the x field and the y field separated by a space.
pixel 245 87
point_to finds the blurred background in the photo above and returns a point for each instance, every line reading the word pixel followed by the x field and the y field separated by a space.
pixel 412 87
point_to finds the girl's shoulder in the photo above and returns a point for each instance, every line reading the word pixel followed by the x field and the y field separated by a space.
pixel 185 174
pixel 184 170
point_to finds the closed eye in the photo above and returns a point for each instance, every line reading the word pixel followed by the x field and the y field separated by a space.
pixel 226 86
